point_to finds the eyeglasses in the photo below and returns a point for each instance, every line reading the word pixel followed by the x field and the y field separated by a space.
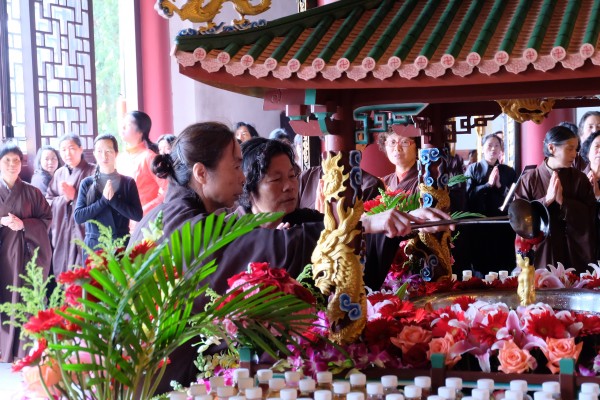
pixel 395 143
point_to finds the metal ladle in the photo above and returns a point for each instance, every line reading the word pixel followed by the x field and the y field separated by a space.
pixel 528 219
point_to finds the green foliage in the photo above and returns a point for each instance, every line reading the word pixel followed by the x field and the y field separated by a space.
pixel 32 295
pixel 107 61
pixel 401 201
pixel 144 309
pixel 458 179
pixel 465 214
pixel 306 279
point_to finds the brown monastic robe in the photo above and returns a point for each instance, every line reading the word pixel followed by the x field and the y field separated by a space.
pixel 309 180
pixel 16 249
pixel 572 237
pixel 64 229
pixel 409 182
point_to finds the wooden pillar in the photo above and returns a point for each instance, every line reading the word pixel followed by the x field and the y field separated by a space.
pixel 154 66
pixel 6 114
pixel 532 135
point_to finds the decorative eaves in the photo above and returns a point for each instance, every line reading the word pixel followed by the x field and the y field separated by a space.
pixel 354 40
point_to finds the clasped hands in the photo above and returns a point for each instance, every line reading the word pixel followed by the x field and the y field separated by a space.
pixel 12 221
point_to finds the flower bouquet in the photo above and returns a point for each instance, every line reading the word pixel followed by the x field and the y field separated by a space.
pixel 471 334
pixel 245 283
pixel 108 330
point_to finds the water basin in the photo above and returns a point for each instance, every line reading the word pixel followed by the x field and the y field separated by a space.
pixel 558 299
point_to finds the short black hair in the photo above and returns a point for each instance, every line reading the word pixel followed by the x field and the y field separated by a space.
pixel 11 147
pixel 557 136
pixel 585 147
pixel 257 154
pixel 251 129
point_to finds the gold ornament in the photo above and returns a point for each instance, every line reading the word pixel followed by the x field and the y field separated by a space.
pixel 336 266
pixel 437 244
pixel 522 110
pixel 197 12
pixel 526 280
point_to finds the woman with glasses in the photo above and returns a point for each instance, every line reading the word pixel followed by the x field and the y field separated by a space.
pixel 487 187
pixel 402 152
pixel 569 197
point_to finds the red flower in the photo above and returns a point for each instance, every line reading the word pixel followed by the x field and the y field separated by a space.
pixel 486 333
pixel 416 356
pixel 73 294
pixel 162 362
pixel 443 285
pixel 464 301
pixel 76 275
pixel 591 324
pixel 141 248
pixel 546 325
pixel 44 320
pixel 370 204
pixel 33 357
pixel 509 283
pixel 472 284
pixel 379 331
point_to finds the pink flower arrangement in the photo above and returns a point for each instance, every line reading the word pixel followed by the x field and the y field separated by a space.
pixel 398 335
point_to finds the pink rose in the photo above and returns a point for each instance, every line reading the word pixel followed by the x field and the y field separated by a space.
pixel 558 349
pixel 444 346
pixel 513 360
pixel 230 327
pixel 32 379
pixel 409 336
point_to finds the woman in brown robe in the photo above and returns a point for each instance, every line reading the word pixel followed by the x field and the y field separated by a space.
pixel 24 220
pixel 62 195
pixel 402 152
pixel 491 245
pixel 570 200
pixel 590 152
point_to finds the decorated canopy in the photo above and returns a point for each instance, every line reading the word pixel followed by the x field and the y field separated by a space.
pixel 489 49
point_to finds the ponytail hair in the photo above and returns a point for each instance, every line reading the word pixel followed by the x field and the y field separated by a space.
pixel 203 143
pixel 144 124
pixel 94 192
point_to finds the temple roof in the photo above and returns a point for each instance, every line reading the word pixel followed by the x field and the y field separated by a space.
pixel 405 43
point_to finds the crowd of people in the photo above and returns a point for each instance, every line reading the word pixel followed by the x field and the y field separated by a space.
pixel 208 168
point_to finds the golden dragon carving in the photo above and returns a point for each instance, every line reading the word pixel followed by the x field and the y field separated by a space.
pixel 437 244
pixel 197 11
pixel 337 270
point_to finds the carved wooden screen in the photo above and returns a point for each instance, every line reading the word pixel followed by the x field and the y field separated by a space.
pixel 64 69
pixel 16 75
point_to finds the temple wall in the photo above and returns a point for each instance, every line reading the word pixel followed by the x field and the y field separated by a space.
pixel 194 101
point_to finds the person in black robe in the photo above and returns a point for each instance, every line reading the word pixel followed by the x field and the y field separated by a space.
pixel 108 197
pixel 569 197
pixel 205 165
pixel 491 245
pixel 402 151
pixel 62 195
pixel 47 161
pixel 24 220
pixel 309 182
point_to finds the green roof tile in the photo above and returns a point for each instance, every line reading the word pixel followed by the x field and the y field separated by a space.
pixel 259 46
pixel 465 28
pixel 489 28
pixel 541 26
pixel 568 24
pixel 288 42
pixel 591 33
pixel 314 39
pixel 368 31
pixel 416 30
pixel 392 30
pixel 516 24
pixel 339 37
pixel 441 28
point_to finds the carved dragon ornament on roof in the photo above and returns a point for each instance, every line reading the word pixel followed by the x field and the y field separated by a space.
pixel 201 11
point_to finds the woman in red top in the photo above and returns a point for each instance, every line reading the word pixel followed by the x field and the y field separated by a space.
pixel 136 160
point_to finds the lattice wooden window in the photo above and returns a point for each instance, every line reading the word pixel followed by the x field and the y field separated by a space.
pixel 52 70
pixel 65 68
